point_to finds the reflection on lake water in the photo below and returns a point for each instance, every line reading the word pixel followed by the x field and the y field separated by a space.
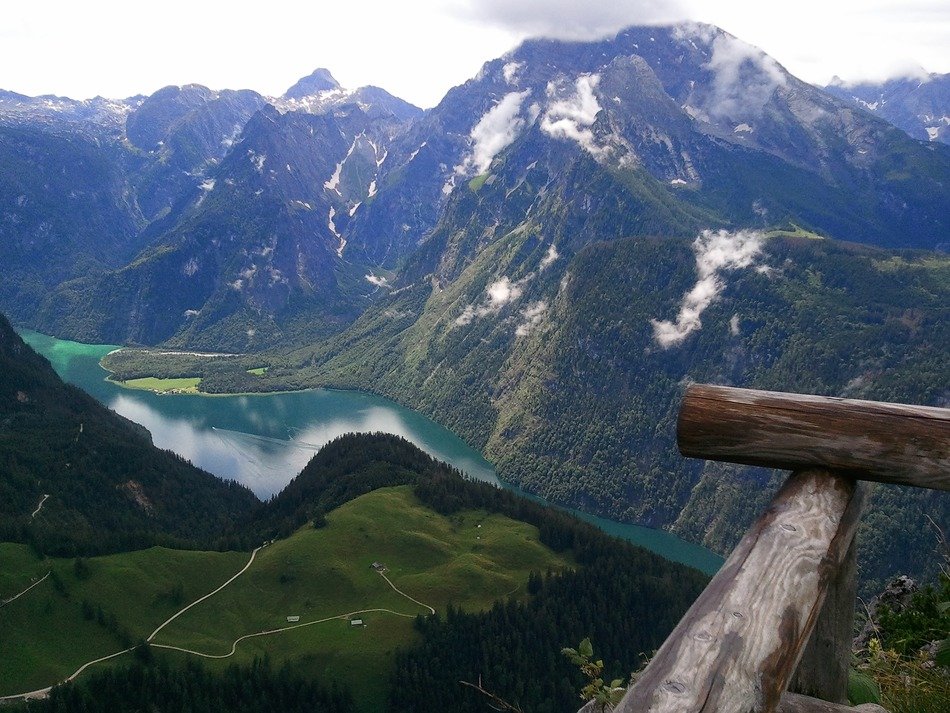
pixel 264 440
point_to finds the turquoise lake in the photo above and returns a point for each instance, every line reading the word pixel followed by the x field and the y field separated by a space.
pixel 264 440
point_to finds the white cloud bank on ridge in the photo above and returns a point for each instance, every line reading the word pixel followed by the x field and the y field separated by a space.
pixel 494 132
pixel 571 118
pixel 569 19
pixel 533 315
pixel 716 252
pixel 744 78
pixel 549 257
pixel 498 294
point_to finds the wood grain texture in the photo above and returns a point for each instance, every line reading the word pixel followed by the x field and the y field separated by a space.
pixel 736 648
pixel 790 703
pixel 793 703
pixel 823 669
pixel 869 440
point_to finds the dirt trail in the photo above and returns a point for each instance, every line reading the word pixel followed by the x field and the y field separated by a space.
pixel 40 506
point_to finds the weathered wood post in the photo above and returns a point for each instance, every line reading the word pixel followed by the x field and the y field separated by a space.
pixel 738 646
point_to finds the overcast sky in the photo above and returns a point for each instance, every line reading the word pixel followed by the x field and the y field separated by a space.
pixel 418 49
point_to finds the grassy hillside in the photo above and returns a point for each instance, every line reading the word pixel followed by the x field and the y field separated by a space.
pixel 469 559
pixel 82 612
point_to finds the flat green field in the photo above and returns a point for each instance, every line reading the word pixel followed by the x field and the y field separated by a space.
pixel 185 385
pixel 470 559
pixel 796 231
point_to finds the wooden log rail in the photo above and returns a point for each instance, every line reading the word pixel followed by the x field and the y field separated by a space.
pixel 888 443
pixel 738 646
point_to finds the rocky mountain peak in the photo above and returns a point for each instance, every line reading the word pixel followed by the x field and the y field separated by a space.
pixel 320 80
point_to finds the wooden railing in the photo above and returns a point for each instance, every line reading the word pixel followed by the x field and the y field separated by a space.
pixel 780 611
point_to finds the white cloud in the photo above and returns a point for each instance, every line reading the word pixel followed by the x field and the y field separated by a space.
pixel 734 325
pixel 429 45
pixel 377 280
pixel 884 38
pixel 498 294
pixel 533 315
pixel 744 78
pixel 549 258
pixel 569 19
pixel 494 132
pixel 502 292
pixel 716 252
pixel 510 71
pixel 571 118
pixel 257 159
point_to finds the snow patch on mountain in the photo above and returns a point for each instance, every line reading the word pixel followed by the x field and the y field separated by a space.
pixel 332 226
pixel 716 252
pixel 416 152
pixel 333 183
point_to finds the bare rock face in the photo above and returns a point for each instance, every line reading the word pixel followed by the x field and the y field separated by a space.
pixel 896 597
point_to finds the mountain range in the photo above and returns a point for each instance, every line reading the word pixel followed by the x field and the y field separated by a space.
pixel 917 105
pixel 540 262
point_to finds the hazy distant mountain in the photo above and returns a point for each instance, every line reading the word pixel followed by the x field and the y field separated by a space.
pixel 319 81
pixel 319 92
pixel 919 106
pixel 149 166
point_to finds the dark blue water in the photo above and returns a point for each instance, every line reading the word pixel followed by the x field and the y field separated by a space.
pixel 264 440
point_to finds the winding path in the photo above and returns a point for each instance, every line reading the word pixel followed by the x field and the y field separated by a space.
pixel 268 632
pixel 17 596
pixel 40 506
pixel 278 631
pixel 177 614
pixel 43 692
pixel 398 591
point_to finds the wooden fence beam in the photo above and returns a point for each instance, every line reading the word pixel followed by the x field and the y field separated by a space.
pixel 793 703
pixel 868 440
pixel 823 670
pixel 737 647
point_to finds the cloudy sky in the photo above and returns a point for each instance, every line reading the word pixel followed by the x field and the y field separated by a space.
pixel 418 49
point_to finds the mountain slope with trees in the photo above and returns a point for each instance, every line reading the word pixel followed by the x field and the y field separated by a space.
pixel 76 478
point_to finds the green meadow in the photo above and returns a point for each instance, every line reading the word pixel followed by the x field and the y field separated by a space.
pixel 184 385
pixel 469 559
